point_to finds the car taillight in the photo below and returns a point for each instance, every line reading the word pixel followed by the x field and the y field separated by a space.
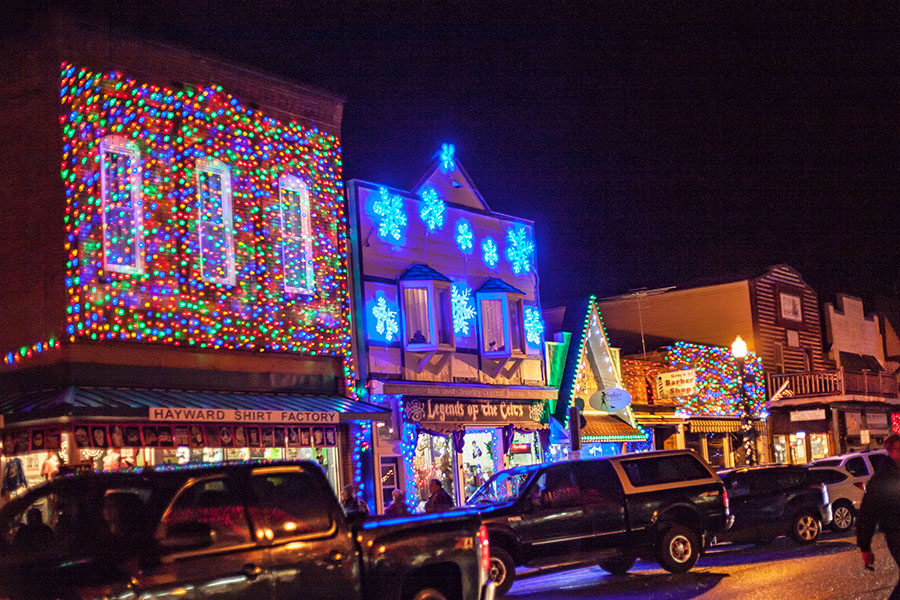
pixel 484 547
pixel 861 485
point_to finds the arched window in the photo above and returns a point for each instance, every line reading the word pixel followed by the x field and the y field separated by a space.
pixel 214 224
pixel 296 236
pixel 120 183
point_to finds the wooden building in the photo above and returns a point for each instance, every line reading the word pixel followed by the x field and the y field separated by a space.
pixel 450 330
pixel 777 314
pixel 174 248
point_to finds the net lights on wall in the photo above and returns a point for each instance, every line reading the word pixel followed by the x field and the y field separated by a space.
pixel 178 231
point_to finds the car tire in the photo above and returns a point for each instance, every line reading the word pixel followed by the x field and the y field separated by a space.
pixel 503 570
pixel 805 528
pixel 618 565
pixel 429 594
pixel 678 549
pixel 843 516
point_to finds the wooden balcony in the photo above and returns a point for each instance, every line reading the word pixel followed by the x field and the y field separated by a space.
pixel 834 383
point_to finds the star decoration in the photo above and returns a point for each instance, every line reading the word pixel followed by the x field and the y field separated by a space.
pixel 464 236
pixel 489 252
pixel 534 325
pixel 463 308
pixel 519 249
pixel 393 218
pixel 386 318
pixel 432 211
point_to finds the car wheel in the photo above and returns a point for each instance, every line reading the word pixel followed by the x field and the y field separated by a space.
pixel 618 565
pixel 678 549
pixel 503 570
pixel 429 594
pixel 805 528
pixel 842 517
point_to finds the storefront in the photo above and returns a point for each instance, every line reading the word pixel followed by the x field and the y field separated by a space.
pixel 805 433
pixel 462 443
pixel 109 429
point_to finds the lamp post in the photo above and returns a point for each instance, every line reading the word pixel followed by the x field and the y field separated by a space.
pixel 739 352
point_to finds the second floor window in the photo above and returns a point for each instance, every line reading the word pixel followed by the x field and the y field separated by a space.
pixel 214 224
pixel 416 305
pixel 427 310
pixel 120 181
pixel 493 326
pixel 296 236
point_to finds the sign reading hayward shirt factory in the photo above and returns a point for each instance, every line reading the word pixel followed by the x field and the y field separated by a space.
pixel 225 415
pixel 443 411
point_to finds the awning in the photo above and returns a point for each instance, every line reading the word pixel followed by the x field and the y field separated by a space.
pixel 607 428
pixel 132 403
pixel 719 425
pixel 652 420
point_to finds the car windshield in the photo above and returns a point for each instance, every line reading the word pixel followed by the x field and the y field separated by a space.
pixel 502 487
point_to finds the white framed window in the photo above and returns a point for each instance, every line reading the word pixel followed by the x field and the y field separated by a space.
pixel 214 223
pixel 494 334
pixel 427 316
pixel 296 236
pixel 517 325
pixel 122 208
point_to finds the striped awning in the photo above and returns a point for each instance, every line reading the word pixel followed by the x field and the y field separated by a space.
pixel 607 428
pixel 719 425
pixel 135 403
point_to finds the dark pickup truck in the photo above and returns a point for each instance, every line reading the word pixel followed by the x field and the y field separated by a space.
pixel 659 506
pixel 270 530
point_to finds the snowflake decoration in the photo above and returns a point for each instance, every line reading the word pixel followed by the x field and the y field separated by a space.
pixel 489 252
pixel 464 236
pixel 448 159
pixel 386 318
pixel 534 325
pixel 393 218
pixel 432 211
pixel 519 249
pixel 462 307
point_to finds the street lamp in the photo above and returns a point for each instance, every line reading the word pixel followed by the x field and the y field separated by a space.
pixel 739 352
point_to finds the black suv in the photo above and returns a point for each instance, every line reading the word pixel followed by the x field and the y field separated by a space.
pixel 231 530
pixel 655 505
pixel 772 501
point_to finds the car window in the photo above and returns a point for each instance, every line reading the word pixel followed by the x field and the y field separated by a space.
pixel 599 482
pixel 737 485
pixel 827 475
pixel 768 481
pixel 826 463
pixel 663 469
pixel 212 502
pixel 878 460
pixel 289 504
pixel 857 466
pixel 556 488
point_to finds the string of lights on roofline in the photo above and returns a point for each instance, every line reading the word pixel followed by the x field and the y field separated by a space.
pixel 161 257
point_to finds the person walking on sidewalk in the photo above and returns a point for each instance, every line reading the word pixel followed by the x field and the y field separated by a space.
pixel 881 507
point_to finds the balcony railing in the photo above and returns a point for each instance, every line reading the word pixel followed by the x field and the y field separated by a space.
pixel 837 382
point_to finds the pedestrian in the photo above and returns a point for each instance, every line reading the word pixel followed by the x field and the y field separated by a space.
pixel 439 500
pixel 351 503
pixel 881 507
pixel 34 535
pixel 398 506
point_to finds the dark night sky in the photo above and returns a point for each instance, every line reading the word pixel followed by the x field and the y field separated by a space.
pixel 650 147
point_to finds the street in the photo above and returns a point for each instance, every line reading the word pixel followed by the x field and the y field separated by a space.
pixel 829 569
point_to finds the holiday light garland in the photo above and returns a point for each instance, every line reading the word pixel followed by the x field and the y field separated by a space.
pixel 362 444
pixel 151 175
pixel 24 352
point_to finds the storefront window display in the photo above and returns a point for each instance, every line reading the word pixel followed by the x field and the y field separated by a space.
pixel 798 448
pixel 481 458
pixel 434 460
pixel 818 445
pixel 525 449
pixel 779 445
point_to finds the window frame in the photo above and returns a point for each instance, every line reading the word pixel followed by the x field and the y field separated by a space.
pixel 431 286
pixel 481 297
pixel 214 166
pixel 292 183
pixel 120 145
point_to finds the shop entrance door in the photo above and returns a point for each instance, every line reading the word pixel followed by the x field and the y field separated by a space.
pixel 482 456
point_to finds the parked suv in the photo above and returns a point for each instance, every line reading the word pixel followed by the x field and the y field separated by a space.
pixel 767 502
pixel 845 493
pixel 861 465
pixel 654 505
pixel 248 530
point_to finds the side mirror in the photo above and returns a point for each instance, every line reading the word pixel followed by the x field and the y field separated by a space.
pixel 187 535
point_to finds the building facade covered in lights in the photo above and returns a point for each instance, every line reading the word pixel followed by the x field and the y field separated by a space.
pixel 175 253
pixel 450 331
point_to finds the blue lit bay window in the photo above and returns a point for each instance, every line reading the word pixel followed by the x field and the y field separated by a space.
pixel 427 317
pixel 500 316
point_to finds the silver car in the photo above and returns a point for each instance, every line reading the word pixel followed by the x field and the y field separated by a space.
pixel 845 492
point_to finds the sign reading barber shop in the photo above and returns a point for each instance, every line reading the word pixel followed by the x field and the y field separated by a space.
pixel 448 411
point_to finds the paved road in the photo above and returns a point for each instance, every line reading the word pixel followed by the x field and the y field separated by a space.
pixel 829 569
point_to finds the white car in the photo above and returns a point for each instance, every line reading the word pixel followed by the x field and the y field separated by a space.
pixel 861 465
pixel 844 491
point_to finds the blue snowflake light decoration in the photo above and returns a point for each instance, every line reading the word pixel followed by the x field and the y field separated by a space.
pixel 519 249
pixel 463 308
pixel 448 158
pixel 392 222
pixel 489 252
pixel 386 319
pixel 534 325
pixel 464 236
pixel 433 209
